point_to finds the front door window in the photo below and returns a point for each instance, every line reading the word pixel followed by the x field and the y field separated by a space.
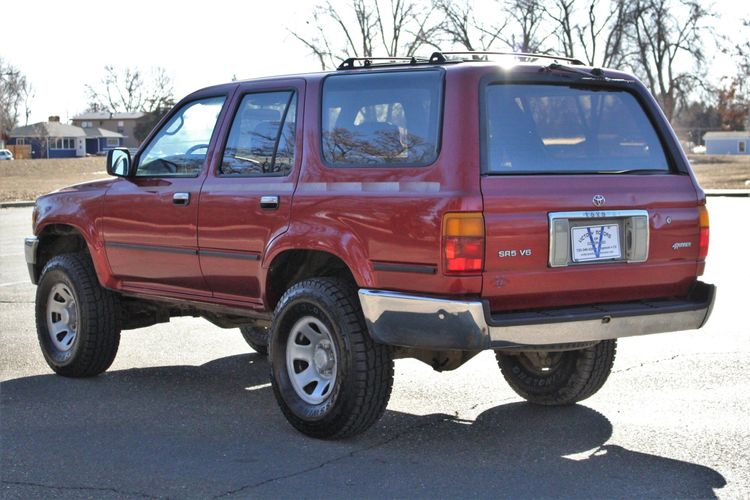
pixel 180 147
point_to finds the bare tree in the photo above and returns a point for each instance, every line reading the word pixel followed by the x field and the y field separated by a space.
pixel 461 26
pixel 128 91
pixel 28 93
pixel 733 95
pixel 528 16
pixel 562 14
pixel 662 32
pixel 13 88
pixel 603 38
pixel 404 21
pixel 742 56
pixel 367 29
pixel 596 35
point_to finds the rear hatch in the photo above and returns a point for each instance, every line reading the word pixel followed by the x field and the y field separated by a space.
pixel 581 203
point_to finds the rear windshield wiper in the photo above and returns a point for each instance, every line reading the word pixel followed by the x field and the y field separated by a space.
pixel 594 73
pixel 636 171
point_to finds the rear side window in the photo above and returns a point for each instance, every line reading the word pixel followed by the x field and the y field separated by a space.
pixel 560 129
pixel 381 119
pixel 261 140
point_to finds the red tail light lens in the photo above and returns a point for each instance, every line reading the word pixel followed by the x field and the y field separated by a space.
pixel 703 242
pixel 463 243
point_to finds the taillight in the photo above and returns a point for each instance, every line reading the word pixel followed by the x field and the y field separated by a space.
pixel 463 243
pixel 703 242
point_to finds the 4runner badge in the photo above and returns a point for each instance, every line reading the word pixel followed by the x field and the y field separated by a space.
pixel 599 200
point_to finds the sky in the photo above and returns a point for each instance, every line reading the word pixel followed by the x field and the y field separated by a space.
pixel 63 45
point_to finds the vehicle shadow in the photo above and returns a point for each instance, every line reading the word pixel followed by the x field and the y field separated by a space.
pixel 213 430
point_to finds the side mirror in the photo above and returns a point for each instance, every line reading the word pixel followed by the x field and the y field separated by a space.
pixel 118 162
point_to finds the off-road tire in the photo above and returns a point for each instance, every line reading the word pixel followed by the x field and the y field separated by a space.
pixel 363 370
pixel 95 345
pixel 257 338
pixel 574 376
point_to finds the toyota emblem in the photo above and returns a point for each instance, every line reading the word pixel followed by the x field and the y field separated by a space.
pixel 599 200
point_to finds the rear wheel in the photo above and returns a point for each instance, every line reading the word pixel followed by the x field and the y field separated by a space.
pixel 329 378
pixel 558 378
pixel 76 319
pixel 257 338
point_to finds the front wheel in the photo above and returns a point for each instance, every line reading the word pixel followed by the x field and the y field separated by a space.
pixel 329 378
pixel 76 319
pixel 558 378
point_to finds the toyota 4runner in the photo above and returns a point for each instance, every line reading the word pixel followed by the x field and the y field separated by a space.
pixel 427 208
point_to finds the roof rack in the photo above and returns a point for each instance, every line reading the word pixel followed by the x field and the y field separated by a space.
pixel 368 61
pixel 445 57
pixel 440 57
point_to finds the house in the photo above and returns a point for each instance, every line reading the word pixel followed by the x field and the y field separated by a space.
pixel 727 143
pixel 50 139
pixel 99 140
pixel 122 123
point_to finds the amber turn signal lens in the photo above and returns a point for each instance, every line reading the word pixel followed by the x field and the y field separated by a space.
pixel 466 224
pixel 704 232
pixel 463 243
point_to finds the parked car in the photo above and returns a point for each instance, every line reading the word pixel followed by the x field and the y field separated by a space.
pixel 5 154
pixel 423 208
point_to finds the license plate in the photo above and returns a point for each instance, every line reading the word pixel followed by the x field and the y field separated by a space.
pixel 591 243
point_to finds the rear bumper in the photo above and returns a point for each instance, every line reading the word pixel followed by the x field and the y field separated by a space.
pixel 430 323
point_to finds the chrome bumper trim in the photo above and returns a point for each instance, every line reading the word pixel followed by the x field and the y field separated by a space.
pixel 423 322
pixel 30 245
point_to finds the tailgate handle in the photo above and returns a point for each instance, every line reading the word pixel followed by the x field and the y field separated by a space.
pixel 182 199
pixel 269 202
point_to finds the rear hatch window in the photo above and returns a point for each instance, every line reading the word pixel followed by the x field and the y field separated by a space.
pixel 548 129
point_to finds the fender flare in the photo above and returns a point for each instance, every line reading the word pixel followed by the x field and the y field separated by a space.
pixel 344 245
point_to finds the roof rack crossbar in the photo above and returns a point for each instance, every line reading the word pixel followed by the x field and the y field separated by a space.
pixel 368 61
pixel 440 57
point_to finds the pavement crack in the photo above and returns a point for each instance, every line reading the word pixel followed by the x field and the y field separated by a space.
pixel 78 488
pixel 655 362
pixel 494 401
pixel 428 421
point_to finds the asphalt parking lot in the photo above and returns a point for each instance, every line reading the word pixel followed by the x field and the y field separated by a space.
pixel 186 411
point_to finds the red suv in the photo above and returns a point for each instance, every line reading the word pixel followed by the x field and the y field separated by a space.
pixel 426 208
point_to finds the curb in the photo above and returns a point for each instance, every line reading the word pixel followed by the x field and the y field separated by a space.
pixel 16 204
pixel 728 192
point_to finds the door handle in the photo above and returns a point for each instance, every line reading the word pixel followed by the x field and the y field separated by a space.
pixel 269 202
pixel 181 199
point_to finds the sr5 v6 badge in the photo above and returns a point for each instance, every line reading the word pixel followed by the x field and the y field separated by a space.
pixel 526 252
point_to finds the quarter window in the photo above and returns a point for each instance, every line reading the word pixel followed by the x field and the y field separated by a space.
pixel 180 147
pixel 741 146
pixel 262 138
pixel 381 119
